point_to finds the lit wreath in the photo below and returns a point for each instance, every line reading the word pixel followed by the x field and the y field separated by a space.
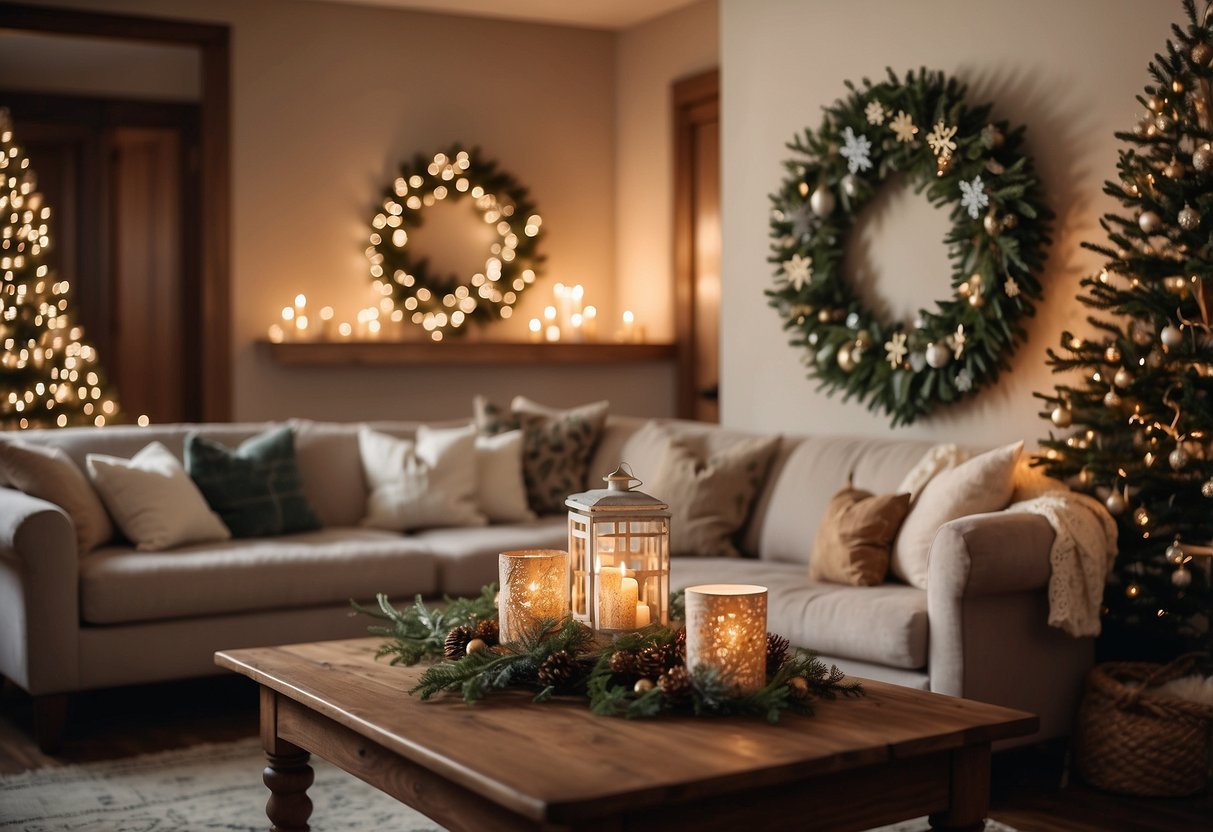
pixel 922 128
pixel 449 303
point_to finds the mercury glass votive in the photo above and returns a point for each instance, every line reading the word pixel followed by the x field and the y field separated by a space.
pixel 727 632
pixel 534 586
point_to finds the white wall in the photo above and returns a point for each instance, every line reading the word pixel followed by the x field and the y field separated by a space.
pixel 650 57
pixel 1068 70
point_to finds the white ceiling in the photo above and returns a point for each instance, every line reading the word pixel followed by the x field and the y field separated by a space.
pixel 596 14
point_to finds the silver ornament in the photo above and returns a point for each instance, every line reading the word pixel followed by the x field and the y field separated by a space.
pixel 1178 458
pixel 853 320
pixel 1171 336
pixel 1111 399
pixel 938 355
pixel 918 361
pixel 1189 218
pixel 1115 504
pixel 1123 378
pixel 1201 52
pixel 1181 577
pixel 850 185
pixel 1062 416
pixel 1149 222
pixel 822 202
pixel 1202 159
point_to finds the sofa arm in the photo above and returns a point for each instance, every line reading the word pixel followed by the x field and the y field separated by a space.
pixel 39 595
pixel 988 554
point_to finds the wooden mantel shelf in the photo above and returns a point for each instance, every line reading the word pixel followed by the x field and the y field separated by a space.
pixel 420 353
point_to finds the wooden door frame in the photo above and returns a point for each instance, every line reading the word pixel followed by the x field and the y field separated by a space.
pixel 688 94
pixel 213 44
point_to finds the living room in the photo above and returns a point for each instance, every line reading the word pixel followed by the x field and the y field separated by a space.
pixel 745 300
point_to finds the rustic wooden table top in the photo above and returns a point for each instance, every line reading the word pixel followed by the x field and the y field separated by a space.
pixel 531 757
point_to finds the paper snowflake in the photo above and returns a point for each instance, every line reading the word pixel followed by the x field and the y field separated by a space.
pixel 875 112
pixel 1011 287
pixel 973 196
pixel 903 127
pixel 856 150
pixel 957 341
pixel 940 139
pixel 895 349
pixel 964 381
pixel 798 271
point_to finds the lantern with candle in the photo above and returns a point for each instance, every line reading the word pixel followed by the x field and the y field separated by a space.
pixel 619 555
pixel 534 587
pixel 727 632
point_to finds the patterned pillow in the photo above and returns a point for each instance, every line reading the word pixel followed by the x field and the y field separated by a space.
pixel 556 446
pixel 256 488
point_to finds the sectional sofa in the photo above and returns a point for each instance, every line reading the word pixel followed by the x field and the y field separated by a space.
pixel 117 616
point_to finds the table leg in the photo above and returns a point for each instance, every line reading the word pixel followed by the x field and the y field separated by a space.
pixel 969 794
pixel 287 774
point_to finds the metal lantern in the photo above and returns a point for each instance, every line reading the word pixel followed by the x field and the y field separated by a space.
pixel 619 555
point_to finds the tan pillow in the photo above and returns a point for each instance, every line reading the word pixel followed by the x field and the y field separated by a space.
pixel 855 536
pixel 710 500
pixel 49 474
pixel 982 484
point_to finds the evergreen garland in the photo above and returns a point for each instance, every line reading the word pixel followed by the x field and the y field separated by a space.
pixel 965 162
pixel 419 632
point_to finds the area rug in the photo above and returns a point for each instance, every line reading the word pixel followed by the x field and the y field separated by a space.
pixel 207 787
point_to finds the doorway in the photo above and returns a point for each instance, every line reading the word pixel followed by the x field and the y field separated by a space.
pixel 697 237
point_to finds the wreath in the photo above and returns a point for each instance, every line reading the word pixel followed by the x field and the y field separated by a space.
pixel 921 128
pixel 448 303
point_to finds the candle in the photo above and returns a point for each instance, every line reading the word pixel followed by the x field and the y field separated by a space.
pixel 344 329
pixel 553 333
pixel 536 328
pixel 288 322
pixel 629 327
pixel 276 334
pixel 617 599
pixel 727 632
pixel 301 327
pixel 642 615
pixel 326 323
pixel 578 332
pixel 590 319
pixel 534 587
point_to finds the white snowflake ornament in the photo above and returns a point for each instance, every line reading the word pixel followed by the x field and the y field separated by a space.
pixel 856 150
pixel 895 349
pixel 973 196
pixel 798 271
pixel 940 139
pixel 903 127
pixel 875 112
pixel 1011 287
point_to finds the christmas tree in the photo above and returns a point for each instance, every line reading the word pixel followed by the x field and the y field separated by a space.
pixel 1136 425
pixel 50 376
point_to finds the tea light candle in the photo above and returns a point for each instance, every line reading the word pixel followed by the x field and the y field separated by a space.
pixel 727 632
pixel 618 597
pixel 534 586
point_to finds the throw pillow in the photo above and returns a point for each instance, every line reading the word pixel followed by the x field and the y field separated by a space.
pixel 491 418
pixel 500 485
pixel 153 501
pixel 420 484
pixel 855 536
pixel 710 498
pixel 982 484
pixel 255 488
pixel 49 474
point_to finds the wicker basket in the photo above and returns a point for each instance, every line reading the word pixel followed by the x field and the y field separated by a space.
pixel 1139 745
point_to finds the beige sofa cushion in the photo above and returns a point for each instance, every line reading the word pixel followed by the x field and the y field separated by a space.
pixel 885 625
pixel 855 536
pixel 467 557
pixel 49 474
pixel 329 566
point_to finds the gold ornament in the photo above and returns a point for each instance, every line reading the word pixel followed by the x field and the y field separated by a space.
pixel 1201 52
pixel 1010 221
pixel 1181 577
pixel 1173 169
pixel 1149 222
pixel 824 316
pixel 822 202
pixel 846 359
pixel 1189 218
pixel 992 224
pixel 1112 354
pixel 1202 159
pixel 643 686
pixel 476 645
pixel 1206 489
pixel 1178 459
pixel 977 300
pixel 1111 399
pixel 863 339
pixel 1132 591
pixel 938 355
pixel 1062 416
pixel 1123 378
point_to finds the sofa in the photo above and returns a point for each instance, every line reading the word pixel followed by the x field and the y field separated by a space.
pixel 118 616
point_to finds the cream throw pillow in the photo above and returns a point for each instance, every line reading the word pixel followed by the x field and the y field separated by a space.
pixel 49 474
pixel 500 487
pixel 710 499
pixel 420 484
pixel 982 484
pixel 153 501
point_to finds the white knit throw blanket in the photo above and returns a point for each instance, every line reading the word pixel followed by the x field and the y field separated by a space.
pixel 1084 542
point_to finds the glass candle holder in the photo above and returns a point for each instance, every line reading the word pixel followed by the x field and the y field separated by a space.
pixel 534 586
pixel 727 632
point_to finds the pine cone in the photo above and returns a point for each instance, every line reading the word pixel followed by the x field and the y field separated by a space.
pixel 456 644
pixel 675 685
pixel 488 631
pixel 651 662
pixel 777 653
pixel 679 646
pixel 623 663
pixel 558 669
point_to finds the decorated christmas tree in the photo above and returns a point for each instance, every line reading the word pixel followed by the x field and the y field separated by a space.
pixel 1134 423
pixel 49 376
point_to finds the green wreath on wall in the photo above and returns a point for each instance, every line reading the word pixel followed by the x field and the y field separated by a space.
pixel 920 127
pixel 450 303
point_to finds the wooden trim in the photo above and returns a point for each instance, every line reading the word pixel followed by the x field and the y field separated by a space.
pixel 428 353
pixel 213 43
pixel 689 97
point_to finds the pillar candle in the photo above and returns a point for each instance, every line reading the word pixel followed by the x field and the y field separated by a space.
pixel 617 599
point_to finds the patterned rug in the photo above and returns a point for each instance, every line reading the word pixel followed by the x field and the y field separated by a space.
pixel 207 787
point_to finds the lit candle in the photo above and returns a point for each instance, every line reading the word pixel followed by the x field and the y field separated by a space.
pixel 553 333
pixel 326 323
pixel 590 319
pixel 534 586
pixel 536 328
pixel 301 327
pixel 617 599
pixel 300 304
pixel 727 632
pixel 642 615
pixel 344 329
pixel 276 334
pixel 629 327
pixel 288 322
pixel 578 333
pixel 578 295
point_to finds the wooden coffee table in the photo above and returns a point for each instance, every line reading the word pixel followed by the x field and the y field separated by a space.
pixel 509 764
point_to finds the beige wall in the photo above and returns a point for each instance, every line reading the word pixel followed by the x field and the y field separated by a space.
pixel 1068 70
pixel 327 99
pixel 650 57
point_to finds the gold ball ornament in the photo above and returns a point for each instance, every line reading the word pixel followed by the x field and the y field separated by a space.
pixel 992 224
pixel 1062 416
pixel 1201 52
pixel 1189 218
pixel 1206 489
pixel 846 358
pixel 1181 577
pixel 1111 354
pixel 1115 504
pixel 1173 169
pixel 1010 221
pixel 1163 123
pixel 799 686
pixel 1178 459
pixel 938 355
pixel 1171 336
pixel 643 686
pixel 1149 222
pixel 1202 159
pixel 476 645
pixel 1123 378
pixel 1111 399
pixel 822 202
